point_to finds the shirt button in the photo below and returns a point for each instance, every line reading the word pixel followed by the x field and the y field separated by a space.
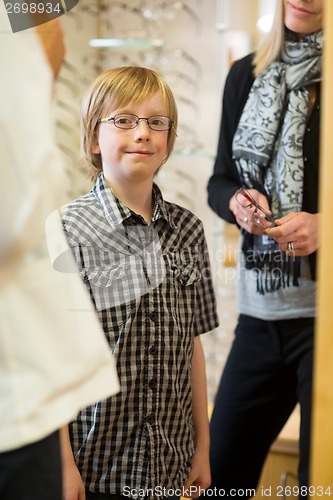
pixel 153 350
pixel 152 383
pixel 154 316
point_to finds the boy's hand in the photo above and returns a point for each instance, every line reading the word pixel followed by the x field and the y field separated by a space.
pixel 199 478
pixel 72 485
pixel 73 488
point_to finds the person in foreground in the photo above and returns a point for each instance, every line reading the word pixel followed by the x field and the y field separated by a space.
pixel 265 180
pixel 145 263
pixel 47 323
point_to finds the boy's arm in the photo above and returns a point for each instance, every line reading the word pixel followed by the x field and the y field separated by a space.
pixel 199 478
pixel 73 488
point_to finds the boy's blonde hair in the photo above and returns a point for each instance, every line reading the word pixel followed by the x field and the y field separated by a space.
pixel 117 88
pixel 271 45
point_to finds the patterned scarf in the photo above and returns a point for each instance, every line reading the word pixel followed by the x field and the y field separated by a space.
pixel 268 150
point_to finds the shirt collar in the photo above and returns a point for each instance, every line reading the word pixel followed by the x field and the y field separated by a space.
pixel 116 212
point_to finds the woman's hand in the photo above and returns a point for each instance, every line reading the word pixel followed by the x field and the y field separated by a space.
pixel 300 230
pixel 244 215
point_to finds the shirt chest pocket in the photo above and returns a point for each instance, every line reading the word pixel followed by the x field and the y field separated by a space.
pixel 114 279
pixel 183 277
pixel 108 285
pixel 109 289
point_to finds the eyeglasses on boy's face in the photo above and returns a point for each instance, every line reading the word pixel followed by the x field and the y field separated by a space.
pixel 128 121
pixel 259 215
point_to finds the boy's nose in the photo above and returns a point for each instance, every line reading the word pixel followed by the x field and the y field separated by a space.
pixel 142 129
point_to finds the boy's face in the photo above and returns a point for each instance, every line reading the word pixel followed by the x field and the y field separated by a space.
pixel 132 154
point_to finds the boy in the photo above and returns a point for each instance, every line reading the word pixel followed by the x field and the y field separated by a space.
pixel 145 263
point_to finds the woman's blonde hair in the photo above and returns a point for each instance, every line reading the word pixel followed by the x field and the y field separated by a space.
pixel 117 88
pixel 271 45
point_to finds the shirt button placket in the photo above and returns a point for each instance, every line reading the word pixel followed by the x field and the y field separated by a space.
pixel 151 321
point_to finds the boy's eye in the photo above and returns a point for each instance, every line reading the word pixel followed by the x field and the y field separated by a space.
pixel 156 121
pixel 125 120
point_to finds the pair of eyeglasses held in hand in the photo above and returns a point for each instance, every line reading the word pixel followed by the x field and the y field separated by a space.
pixel 259 215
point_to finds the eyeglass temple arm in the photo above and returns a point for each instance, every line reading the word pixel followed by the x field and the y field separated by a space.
pixel 105 120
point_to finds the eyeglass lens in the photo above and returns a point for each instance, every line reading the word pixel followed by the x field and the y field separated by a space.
pixel 259 215
pixel 262 219
pixel 156 122
pixel 248 201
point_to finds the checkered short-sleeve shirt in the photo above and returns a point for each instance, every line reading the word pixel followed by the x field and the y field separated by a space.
pixel 152 289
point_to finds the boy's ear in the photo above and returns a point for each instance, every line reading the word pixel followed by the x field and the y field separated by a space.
pixel 95 146
pixel 96 149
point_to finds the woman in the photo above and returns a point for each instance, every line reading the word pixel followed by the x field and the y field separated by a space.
pixel 269 144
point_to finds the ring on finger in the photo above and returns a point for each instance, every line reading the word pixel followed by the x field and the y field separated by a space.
pixel 245 220
pixel 290 246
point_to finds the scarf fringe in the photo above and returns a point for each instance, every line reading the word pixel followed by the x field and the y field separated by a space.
pixel 272 273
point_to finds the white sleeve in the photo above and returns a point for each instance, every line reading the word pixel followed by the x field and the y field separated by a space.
pixel 54 357
pixel 32 172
